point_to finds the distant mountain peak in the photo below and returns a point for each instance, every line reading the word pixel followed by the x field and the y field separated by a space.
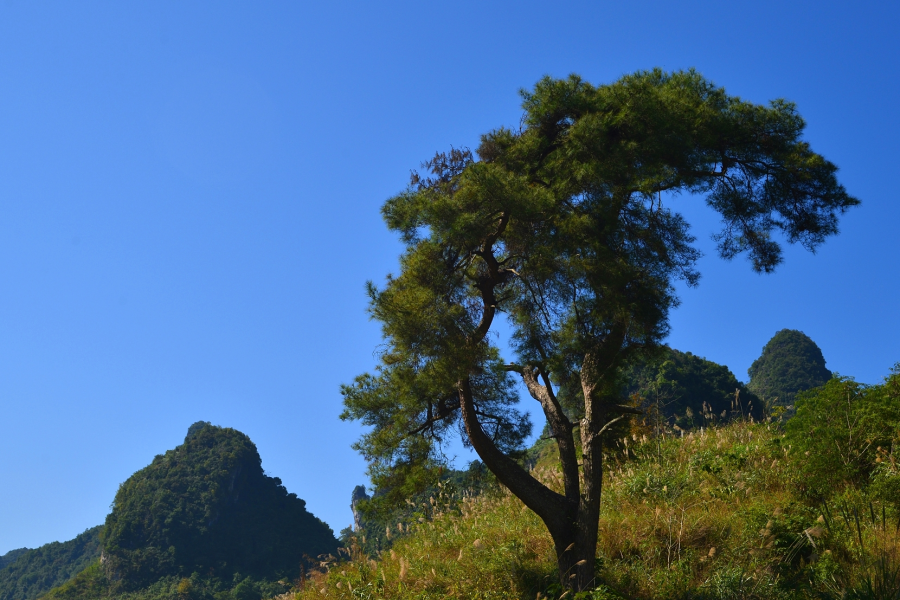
pixel 208 507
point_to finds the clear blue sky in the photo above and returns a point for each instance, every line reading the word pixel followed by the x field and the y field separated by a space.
pixel 190 192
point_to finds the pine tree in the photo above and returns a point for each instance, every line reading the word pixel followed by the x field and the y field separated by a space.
pixel 566 227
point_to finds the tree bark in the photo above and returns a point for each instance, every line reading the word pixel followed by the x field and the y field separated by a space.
pixel 572 518
pixel 542 500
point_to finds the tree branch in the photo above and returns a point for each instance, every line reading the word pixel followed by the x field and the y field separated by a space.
pixel 609 424
pixel 622 408
pixel 560 426
pixel 487 284
pixel 536 496
pixel 444 411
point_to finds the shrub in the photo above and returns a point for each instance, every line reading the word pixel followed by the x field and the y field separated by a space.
pixel 839 431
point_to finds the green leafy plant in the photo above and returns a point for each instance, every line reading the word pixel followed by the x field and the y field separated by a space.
pixel 838 430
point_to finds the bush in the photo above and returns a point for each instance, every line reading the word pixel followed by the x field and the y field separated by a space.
pixel 841 431
pixel 246 590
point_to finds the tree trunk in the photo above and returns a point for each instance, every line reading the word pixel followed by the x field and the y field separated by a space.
pixel 575 556
pixel 571 519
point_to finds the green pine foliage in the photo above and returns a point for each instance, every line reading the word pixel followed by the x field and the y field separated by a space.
pixel 688 390
pixel 790 363
pixel 208 507
pixel 36 571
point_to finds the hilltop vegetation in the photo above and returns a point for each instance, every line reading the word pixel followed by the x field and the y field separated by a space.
pixel 690 390
pixel 11 556
pixel 33 572
pixel 790 363
pixel 202 521
pixel 207 507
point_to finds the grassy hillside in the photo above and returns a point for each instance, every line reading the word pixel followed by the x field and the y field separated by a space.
pixel 722 513
pixel 36 571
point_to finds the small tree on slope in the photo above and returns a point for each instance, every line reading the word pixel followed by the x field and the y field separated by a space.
pixel 562 226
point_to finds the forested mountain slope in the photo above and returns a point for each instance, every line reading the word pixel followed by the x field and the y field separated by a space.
pixel 11 556
pixel 689 390
pixel 790 363
pixel 207 506
pixel 36 571
pixel 201 521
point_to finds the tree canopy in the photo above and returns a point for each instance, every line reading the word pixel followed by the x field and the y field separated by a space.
pixel 790 363
pixel 11 556
pixel 566 227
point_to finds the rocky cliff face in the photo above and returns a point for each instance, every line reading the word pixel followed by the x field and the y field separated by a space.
pixel 359 494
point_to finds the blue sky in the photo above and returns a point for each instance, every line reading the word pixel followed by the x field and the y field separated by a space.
pixel 190 193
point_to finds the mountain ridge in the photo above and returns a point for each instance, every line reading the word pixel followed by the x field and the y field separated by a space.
pixel 38 570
